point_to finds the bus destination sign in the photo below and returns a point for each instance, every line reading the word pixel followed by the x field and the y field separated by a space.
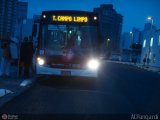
pixel 77 19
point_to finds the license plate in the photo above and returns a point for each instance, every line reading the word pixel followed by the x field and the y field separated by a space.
pixel 66 73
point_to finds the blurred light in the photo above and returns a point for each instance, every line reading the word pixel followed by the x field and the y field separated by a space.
pixel 44 16
pixel 93 64
pixel 131 32
pixel 150 54
pixel 40 61
pixel 149 18
pixel 38 58
pixel 79 38
pixel 144 43
pixel 95 18
pixel 70 32
pixel 151 43
pixel 108 39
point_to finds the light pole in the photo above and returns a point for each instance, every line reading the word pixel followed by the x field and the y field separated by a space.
pixel 108 40
pixel 149 48
pixel 108 53
pixel 150 18
pixel 131 33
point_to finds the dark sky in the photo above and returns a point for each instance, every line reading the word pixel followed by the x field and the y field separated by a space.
pixel 134 12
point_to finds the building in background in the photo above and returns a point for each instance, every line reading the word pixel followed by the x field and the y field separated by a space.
pixel 110 27
pixel 24 29
pixel 37 17
pixel 13 13
pixel 126 40
pixel 136 35
pixel 8 16
pixel 131 45
pixel 22 8
pixel 126 46
pixel 151 45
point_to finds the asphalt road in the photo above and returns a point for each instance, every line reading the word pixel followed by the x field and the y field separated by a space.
pixel 119 89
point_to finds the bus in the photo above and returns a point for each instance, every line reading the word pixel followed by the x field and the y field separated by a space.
pixel 68 44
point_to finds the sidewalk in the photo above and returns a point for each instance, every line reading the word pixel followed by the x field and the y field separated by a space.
pixel 12 86
pixel 150 68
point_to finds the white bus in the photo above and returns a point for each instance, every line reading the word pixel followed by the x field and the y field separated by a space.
pixel 68 44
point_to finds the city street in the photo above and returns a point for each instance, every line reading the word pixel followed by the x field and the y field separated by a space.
pixel 119 89
pixel 72 40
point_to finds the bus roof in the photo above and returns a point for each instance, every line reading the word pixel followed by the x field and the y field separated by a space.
pixel 73 12
pixel 70 17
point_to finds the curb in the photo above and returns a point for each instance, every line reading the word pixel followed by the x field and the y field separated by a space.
pixel 138 66
pixel 147 69
pixel 12 96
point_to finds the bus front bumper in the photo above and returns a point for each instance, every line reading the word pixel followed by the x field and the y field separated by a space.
pixel 43 70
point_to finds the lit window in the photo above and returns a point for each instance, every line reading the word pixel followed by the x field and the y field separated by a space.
pixel 159 40
pixel 144 43
pixel 151 42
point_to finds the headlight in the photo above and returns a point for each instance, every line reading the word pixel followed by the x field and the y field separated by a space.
pixel 40 61
pixel 93 64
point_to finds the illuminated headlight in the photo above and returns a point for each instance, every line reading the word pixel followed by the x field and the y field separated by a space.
pixel 40 61
pixel 93 64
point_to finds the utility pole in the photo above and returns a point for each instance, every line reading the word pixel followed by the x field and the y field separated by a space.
pixel 132 41
pixel 149 48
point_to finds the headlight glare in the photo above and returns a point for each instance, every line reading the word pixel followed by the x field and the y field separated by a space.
pixel 93 64
pixel 40 61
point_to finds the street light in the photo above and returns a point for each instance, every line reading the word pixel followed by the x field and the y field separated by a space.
pixel 108 40
pixel 108 53
pixel 131 33
pixel 149 18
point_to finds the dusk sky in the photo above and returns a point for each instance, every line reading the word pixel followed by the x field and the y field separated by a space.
pixel 134 12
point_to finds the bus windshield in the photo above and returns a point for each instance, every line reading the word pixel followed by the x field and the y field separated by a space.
pixel 60 37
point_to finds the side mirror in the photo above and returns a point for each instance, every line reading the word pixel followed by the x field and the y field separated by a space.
pixel 34 30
